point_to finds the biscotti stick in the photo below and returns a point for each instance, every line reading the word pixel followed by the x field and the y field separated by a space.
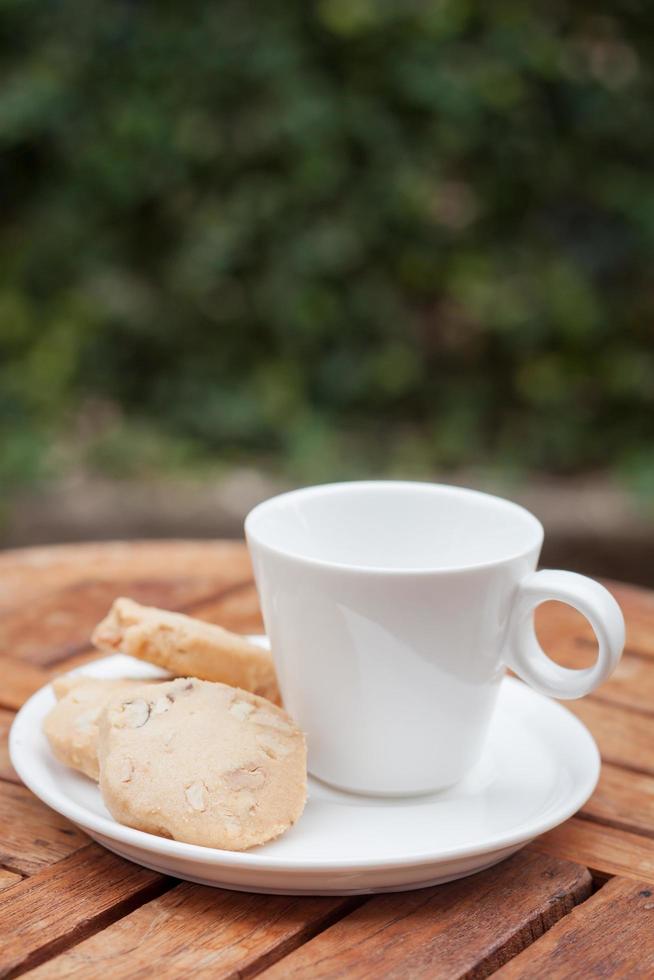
pixel 187 647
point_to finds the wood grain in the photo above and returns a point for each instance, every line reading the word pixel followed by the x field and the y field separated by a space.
pixel 638 608
pixel 70 588
pixel 569 639
pixel 28 573
pixel 623 799
pixel 19 681
pixel 565 634
pixel 198 931
pixel 8 878
pixel 66 902
pixel 465 928
pixel 60 623
pixel 237 610
pixel 64 666
pixel 624 737
pixel 561 628
pixel 632 685
pixel 32 836
pixel 611 935
pixel 605 850
pixel 6 768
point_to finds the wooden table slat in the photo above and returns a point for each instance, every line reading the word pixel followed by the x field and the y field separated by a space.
pixel 66 902
pixel 8 878
pixel 624 737
pixel 631 686
pixel 637 605
pixel 44 625
pixel 561 625
pixel 18 681
pixel 623 799
pixel 197 931
pixel 75 660
pixel 467 927
pixel 605 850
pixel 237 610
pixel 568 637
pixel 611 935
pixel 29 573
pixel 32 836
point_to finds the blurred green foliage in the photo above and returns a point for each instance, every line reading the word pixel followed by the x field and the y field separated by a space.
pixel 344 236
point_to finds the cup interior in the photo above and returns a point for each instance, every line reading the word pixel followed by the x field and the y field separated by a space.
pixel 394 525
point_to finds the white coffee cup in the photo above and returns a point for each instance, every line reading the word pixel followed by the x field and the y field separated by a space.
pixel 393 610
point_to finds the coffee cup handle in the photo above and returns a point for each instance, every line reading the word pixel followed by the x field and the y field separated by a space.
pixel 527 658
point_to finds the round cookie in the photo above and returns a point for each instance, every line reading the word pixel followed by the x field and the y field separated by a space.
pixel 202 762
pixel 71 727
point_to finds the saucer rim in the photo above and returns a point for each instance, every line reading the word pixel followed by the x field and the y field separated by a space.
pixel 27 766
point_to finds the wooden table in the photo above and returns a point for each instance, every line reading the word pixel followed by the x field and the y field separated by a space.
pixel 579 902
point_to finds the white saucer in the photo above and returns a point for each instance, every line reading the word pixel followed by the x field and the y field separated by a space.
pixel 539 767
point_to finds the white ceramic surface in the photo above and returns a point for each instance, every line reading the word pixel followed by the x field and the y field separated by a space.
pixel 538 767
pixel 393 609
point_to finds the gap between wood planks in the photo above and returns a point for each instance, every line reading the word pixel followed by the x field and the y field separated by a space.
pixel 250 943
pixel 483 969
pixel 275 956
pixel 312 930
pixel 614 702
pixel 188 608
pixel 270 958
pixel 615 824
pixel 608 936
pixel 152 890
pixel 23 677
pixel 84 928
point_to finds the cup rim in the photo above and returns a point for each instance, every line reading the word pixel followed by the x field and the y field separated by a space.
pixel 253 538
